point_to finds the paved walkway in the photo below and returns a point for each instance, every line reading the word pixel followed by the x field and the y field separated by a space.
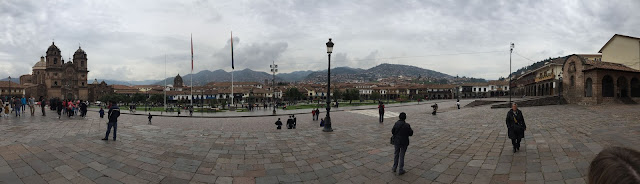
pixel 455 146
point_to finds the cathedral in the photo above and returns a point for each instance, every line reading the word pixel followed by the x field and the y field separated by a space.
pixel 52 77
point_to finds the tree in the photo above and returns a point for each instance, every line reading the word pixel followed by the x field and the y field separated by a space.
pixel 337 94
pixel 293 94
pixel 375 95
pixel 156 98
pixel 351 94
pixel 136 98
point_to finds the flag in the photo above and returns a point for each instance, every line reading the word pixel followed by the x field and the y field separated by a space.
pixel 191 52
pixel 232 50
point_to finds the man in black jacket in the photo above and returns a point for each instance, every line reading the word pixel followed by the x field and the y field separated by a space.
pixel 401 132
pixel 515 126
pixel 114 113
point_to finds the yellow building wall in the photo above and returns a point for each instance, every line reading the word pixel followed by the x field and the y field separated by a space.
pixel 623 50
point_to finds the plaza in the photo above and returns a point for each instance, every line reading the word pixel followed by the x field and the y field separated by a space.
pixel 469 145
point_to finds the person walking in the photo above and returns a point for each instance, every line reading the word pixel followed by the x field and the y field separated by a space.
pixel 515 126
pixel 17 105
pixel 279 124
pixel 381 111
pixel 43 103
pixel 313 114
pixel 60 107
pixel 317 113
pixel 23 103
pixel 458 104
pixel 32 102
pixel 400 139
pixel 150 118
pixel 114 113
pixel 101 112
pixel 83 109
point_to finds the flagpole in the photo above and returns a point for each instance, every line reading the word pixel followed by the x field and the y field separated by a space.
pixel 191 71
pixel 232 68
pixel 164 88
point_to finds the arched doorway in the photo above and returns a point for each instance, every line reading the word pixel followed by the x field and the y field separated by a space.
pixel 623 87
pixel 588 85
pixel 607 86
pixel 635 87
pixel 69 96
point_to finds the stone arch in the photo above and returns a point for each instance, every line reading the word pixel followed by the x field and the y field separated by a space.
pixel 635 87
pixel 607 86
pixel 588 88
pixel 623 87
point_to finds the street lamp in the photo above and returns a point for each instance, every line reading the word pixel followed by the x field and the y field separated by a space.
pixel 10 89
pixel 559 88
pixel 327 120
pixel 510 51
pixel 274 69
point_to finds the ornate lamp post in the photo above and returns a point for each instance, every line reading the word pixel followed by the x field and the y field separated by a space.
pixel 327 120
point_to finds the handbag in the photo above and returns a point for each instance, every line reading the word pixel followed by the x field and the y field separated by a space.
pixel 517 127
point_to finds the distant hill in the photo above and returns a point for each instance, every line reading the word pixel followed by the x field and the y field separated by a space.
pixel 342 74
pixel 294 76
pixel 16 80
pixel 128 83
pixel 206 76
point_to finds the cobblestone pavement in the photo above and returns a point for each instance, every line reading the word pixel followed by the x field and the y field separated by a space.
pixel 455 146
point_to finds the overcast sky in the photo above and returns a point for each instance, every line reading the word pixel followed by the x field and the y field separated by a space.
pixel 128 40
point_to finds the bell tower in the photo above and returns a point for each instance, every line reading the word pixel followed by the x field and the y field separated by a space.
pixel 54 57
pixel 80 59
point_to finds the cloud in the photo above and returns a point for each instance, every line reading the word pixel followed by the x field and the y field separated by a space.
pixel 254 56
pixel 128 40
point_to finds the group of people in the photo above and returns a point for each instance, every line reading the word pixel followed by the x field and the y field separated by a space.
pixel 18 105
pixel 291 122
pixel 70 108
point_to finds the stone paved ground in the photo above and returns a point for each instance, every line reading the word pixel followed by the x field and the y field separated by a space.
pixel 455 146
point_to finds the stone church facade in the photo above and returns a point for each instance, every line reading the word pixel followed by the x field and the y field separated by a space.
pixel 52 77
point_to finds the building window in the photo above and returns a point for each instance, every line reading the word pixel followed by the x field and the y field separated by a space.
pixel 55 83
pixel 55 61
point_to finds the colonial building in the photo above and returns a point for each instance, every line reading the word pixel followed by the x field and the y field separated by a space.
pixel 51 77
pixel 590 82
pixel 622 49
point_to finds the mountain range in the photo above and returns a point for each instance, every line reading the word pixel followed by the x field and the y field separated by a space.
pixel 338 74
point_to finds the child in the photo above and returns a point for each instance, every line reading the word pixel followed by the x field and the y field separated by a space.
pixel 150 118
pixel 6 110
pixel 101 112
pixel 279 123
pixel 322 122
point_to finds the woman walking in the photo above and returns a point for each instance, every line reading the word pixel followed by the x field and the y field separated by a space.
pixel 515 126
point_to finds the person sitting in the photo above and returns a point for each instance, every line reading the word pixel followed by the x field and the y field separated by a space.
pixel 290 123
pixel 279 124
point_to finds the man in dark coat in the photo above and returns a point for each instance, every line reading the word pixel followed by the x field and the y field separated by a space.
pixel 290 123
pixel 113 114
pixel 515 126
pixel 381 111
pixel 401 132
